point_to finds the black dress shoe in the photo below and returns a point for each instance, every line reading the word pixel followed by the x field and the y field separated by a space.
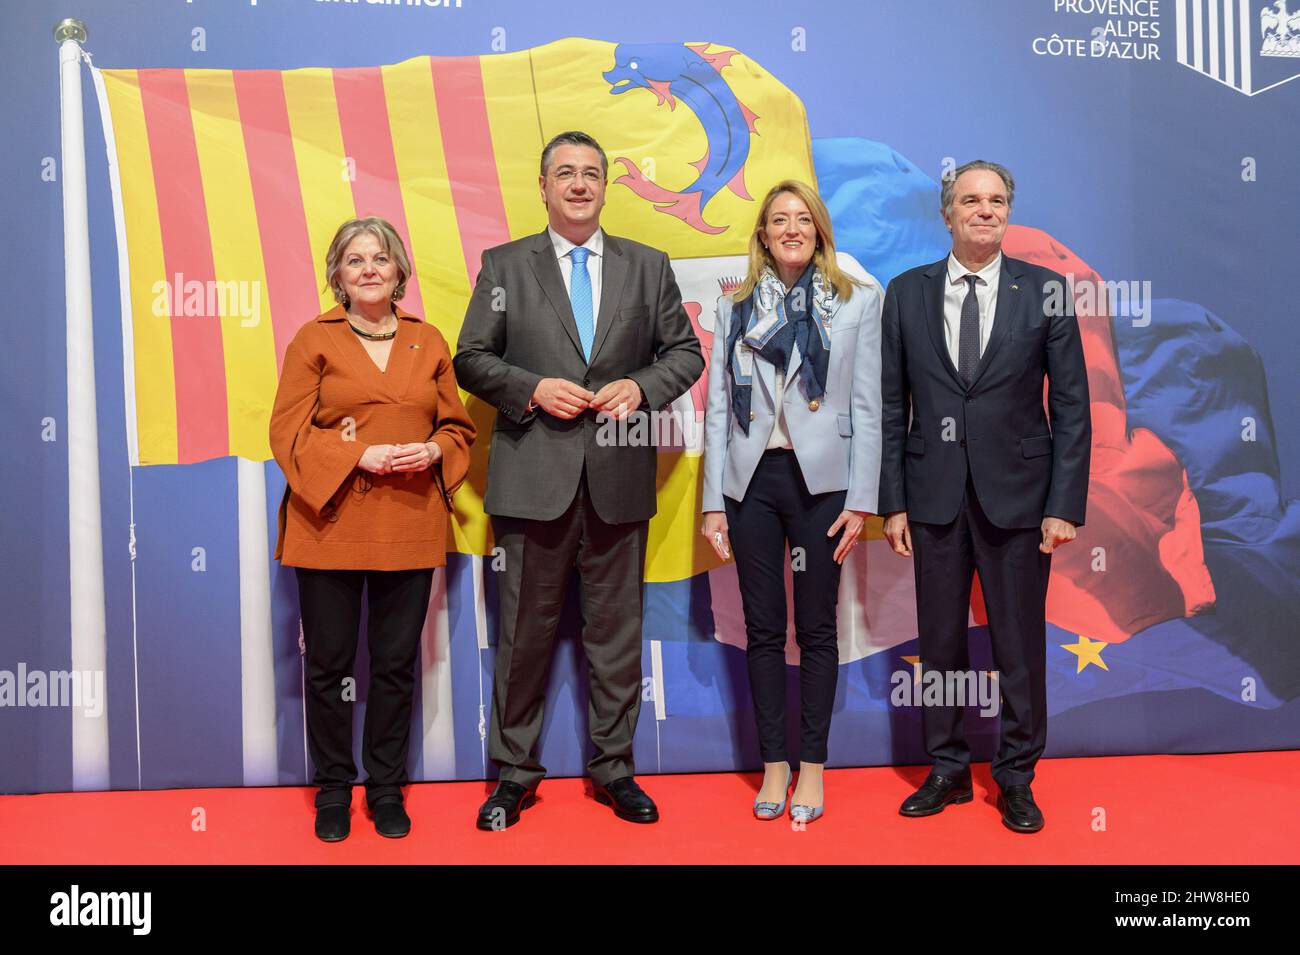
pixel 501 811
pixel 333 823
pixel 1019 811
pixel 936 792
pixel 628 799
pixel 390 818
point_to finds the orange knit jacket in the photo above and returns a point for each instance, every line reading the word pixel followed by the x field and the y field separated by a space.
pixel 333 402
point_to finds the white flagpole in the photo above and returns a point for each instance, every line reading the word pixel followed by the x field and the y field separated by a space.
pixel 85 524
pixel 256 658
pixel 437 732
pixel 480 630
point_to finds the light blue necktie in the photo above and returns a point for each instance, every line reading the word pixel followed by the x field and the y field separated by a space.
pixel 580 299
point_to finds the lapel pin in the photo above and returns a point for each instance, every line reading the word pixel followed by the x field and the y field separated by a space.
pixel 1015 288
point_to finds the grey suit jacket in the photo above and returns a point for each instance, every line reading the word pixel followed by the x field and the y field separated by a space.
pixel 519 329
pixel 836 439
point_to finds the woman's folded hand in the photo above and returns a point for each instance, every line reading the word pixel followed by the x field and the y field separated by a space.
pixel 415 457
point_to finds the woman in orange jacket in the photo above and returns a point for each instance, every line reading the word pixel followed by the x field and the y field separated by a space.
pixel 373 438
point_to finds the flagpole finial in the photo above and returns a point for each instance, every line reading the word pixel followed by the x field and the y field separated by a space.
pixel 70 29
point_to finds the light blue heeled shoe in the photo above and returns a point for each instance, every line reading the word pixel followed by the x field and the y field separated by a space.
pixel 774 810
pixel 806 814
pixel 800 814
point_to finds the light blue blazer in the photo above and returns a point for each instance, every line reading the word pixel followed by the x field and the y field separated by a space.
pixel 838 444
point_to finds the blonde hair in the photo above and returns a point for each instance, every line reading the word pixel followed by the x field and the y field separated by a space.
pixel 823 256
pixel 389 240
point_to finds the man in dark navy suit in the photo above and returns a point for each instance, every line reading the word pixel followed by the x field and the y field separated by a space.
pixel 977 477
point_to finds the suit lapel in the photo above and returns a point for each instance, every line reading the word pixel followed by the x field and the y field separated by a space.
pixel 932 300
pixel 613 276
pixel 547 271
pixel 767 374
pixel 1004 315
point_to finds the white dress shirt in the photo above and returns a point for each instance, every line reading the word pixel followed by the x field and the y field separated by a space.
pixel 596 245
pixel 954 294
pixel 780 436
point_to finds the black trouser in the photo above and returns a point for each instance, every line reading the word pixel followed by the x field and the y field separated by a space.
pixel 539 556
pixel 1013 576
pixel 777 508
pixel 331 620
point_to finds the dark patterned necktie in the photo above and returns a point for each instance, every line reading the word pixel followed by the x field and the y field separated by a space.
pixel 968 341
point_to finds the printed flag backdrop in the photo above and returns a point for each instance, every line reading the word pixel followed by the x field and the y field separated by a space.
pixel 221 161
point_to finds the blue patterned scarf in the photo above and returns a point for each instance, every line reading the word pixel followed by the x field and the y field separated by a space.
pixel 771 323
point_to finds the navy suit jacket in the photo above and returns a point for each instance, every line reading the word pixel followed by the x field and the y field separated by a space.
pixel 1026 463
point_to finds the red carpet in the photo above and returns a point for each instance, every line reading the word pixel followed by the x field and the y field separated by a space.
pixel 1236 808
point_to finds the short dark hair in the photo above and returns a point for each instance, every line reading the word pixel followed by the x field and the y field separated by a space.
pixel 573 138
pixel 949 191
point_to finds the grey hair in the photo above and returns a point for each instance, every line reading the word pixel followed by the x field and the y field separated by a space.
pixel 949 192
pixel 388 238
pixel 573 138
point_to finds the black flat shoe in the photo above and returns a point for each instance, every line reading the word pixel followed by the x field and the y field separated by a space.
pixel 936 792
pixel 390 818
pixel 628 800
pixel 1019 811
pixel 501 811
pixel 333 823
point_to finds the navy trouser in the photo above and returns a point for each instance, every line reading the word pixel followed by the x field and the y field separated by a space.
pixel 1013 576
pixel 778 508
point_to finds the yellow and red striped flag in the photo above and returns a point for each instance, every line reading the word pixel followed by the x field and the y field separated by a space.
pixel 230 184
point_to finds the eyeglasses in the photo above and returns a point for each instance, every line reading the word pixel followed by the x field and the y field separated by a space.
pixel 567 174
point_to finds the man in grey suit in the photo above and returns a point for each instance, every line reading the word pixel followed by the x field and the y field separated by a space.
pixel 563 328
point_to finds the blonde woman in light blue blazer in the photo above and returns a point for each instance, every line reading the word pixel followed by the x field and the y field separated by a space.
pixel 792 445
